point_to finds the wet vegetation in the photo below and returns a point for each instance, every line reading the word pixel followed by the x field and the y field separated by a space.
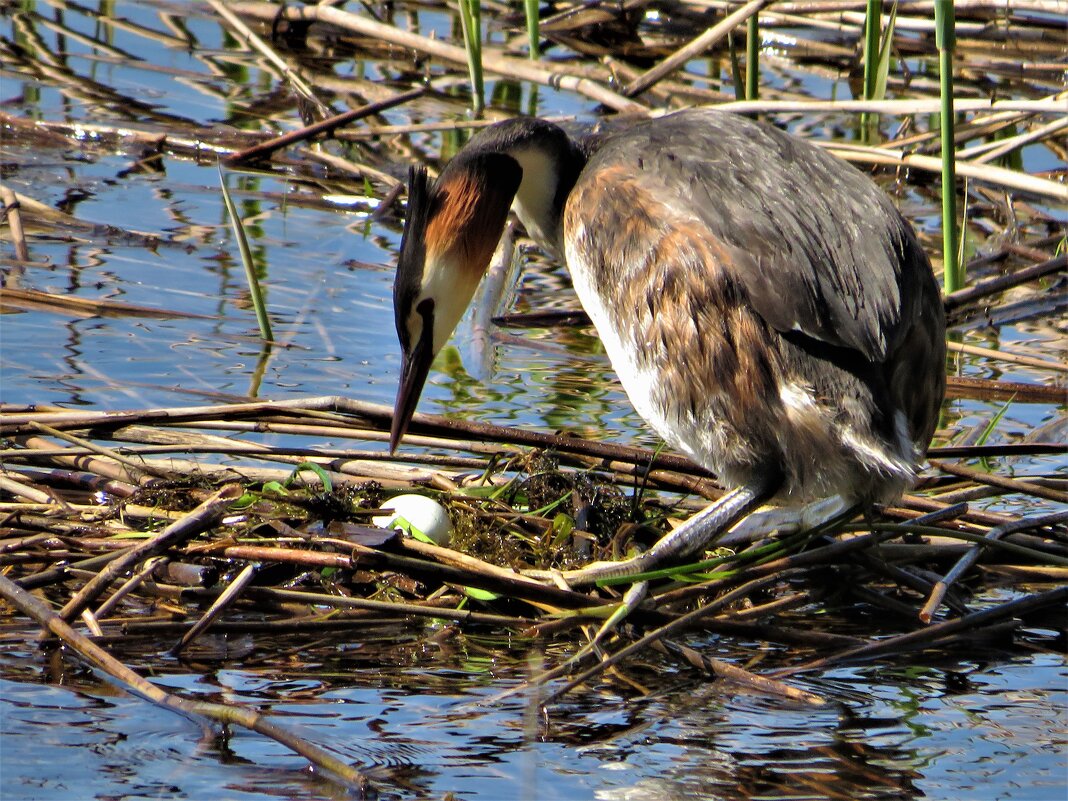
pixel 167 535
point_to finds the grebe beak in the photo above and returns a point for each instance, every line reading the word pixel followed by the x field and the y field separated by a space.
pixel 415 367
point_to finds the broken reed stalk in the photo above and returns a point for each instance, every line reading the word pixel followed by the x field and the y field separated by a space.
pixel 150 566
pixel 936 633
pixel 679 624
pixel 734 674
pixel 993 286
pixel 201 518
pixel 221 604
pixel 89 651
pixel 941 587
pixel 13 217
pixel 254 41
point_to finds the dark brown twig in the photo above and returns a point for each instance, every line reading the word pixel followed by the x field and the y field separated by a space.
pixel 964 564
pixel 265 149
pixel 931 635
pixel 204 516
pixel 993 286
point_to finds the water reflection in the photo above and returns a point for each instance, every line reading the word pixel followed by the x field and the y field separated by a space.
pixel 145 225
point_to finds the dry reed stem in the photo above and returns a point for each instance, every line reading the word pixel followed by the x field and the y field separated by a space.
pixel 1052 105
pixel 27 299
pixel 150 567
pixel 201 518
pixel 733 674
pixel 254 41
pixel 140 470
pixel 1010 358
pixel 929 636
pixel 706 41
pixel 962 386
pixel 1006 146
pixel 1002 482
pixel 401 610
pixel 521 69
pixel 511 586
pixel 21 490
pixel 993 286
pixel 965 563
pixel 219 606
pixel 327 126
pixel 679 624
pixel 13 218
pixel 987 173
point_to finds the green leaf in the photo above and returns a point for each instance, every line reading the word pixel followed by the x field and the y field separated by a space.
pixel 480 595
pixel 552 505
pixel 404 525
pixel 873 16
pixel 244 501
pixel 563 525
pixel 471 24
pixel 328 485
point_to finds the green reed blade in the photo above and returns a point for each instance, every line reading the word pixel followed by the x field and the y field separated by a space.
pixel 873 16
pixel 471 24
pixel 533 37
pixel 736 69
pixel 254 288
pixel 953 273
pixel 882 71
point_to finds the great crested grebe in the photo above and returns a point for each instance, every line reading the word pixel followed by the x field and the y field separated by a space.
pixel 767 309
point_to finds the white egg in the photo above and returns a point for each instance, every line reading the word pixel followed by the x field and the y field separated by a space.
pixel 417 512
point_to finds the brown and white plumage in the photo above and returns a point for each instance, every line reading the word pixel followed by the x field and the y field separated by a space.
pixel 767 309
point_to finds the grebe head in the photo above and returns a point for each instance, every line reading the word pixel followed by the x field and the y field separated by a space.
pixel 450 232
pixel 453 225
